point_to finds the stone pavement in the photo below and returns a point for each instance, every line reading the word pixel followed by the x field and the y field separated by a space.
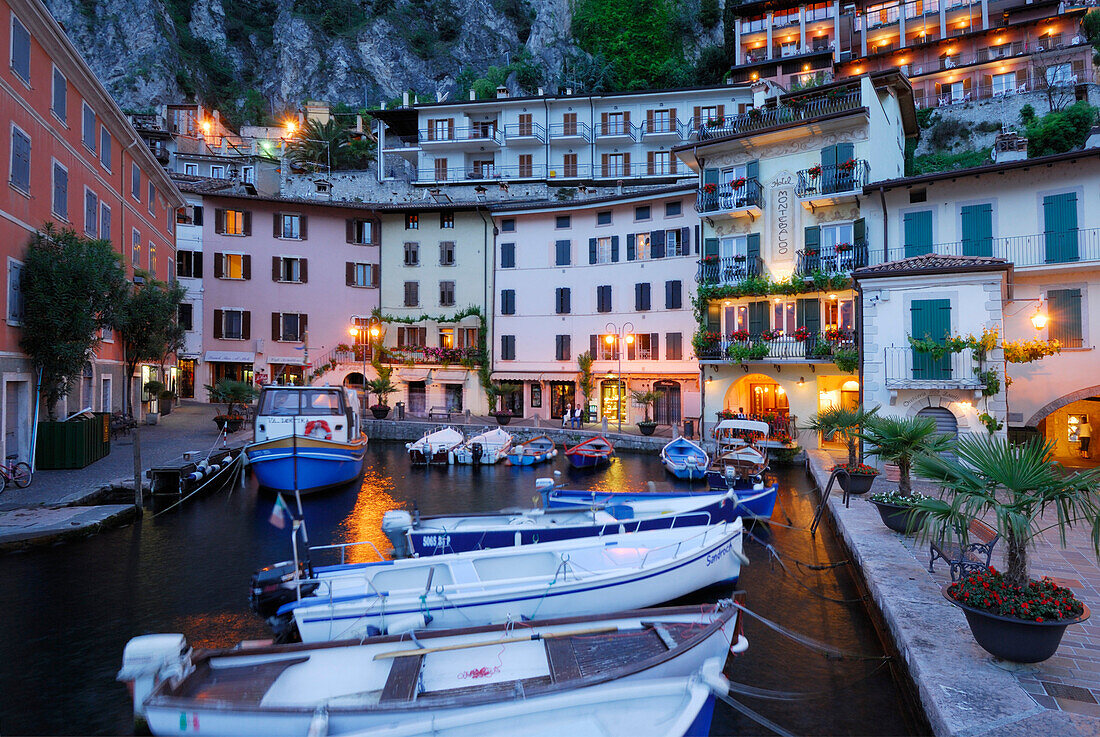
pixel 964 691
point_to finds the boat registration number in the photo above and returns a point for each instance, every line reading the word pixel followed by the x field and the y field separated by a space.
pixel 437 541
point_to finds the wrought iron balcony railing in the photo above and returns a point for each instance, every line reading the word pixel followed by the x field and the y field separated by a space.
pixel 847 176
pixel 839 259
pixel 792 111
pixel 729 270
pixel 907 368
pixel 1075 245
pixel 755 348
pixel 727 197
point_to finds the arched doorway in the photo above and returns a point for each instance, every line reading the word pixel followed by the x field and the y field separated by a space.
pixel 946 424
pixel 667 409
pixel 354 379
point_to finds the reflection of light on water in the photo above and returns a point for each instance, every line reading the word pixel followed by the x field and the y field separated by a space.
pixel 364 522
pixel 219 629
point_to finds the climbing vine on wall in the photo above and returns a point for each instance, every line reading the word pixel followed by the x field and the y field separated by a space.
pixel 481 363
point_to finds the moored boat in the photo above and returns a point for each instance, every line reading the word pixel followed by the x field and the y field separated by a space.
pixel 685 459
pixel 531 452
pixel 591 453
pixel 435 447
pixel 582 576
pixel 423 536
pixel 741 454
pixel 486 449
pixel 754 501
pixel 306 438
pixel 449 678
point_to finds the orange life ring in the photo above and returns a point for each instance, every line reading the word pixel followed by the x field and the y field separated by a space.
pixel 318 429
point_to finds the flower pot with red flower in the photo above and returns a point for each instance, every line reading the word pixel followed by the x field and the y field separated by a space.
pixel 844 424
pixel 803 334
pixel 1011 615
pixel 710 188
pixel 847 166
pixel 771 335
pixel 739 335
pixel 843 247
pixel 740 258
pixel 737 183
pixel 836 335
pixel 814 171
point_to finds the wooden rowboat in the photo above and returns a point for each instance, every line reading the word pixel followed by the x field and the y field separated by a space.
pixel 591 453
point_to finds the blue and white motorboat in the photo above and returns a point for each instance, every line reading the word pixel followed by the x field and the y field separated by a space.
pixel 685 459
pixel 531 452
pixel 436 535
pixel 486 449
pixel 742 454
pixel 753 501
pixel 306 438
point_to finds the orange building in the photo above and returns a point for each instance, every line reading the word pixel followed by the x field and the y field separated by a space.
pixel 73 159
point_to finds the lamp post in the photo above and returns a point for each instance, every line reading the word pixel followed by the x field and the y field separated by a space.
pixel 623 335
pixel 365 335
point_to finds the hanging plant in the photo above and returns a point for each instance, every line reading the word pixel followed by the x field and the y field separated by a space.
pixel 992 424
pixel 991 382
pixel 846 359
pixel 1026 351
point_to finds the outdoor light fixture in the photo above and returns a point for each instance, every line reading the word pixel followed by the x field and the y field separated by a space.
pixel 609 339
pixel 291 126
pixel 1039 319
pixel 802 381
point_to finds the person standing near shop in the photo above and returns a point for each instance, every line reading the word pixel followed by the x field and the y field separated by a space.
pixel 1084 435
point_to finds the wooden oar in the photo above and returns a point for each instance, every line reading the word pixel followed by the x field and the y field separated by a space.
pixel 521 638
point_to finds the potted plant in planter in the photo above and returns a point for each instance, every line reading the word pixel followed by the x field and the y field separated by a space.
pixel 235 395
pixel 381 387
pixel 846 424
pixel 1011 615
pixel 152 390
pixel 899 440
pixel 166 398
pixel 647 399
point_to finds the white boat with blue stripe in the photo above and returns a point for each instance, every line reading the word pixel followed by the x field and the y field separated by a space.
pixel 593 575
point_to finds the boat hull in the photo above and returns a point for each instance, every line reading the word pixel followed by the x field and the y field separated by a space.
pixel 321 464
pixel 578 460
pixel 684 470
pixel 751 503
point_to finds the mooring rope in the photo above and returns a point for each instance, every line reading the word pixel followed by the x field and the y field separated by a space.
pixel 828 650
pixel 775 556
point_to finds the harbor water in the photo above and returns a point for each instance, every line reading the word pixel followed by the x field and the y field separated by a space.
pixel 69 610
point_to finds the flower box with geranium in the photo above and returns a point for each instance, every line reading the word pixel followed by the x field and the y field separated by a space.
pixel 843 247
pixel 771 334
pixel 737 183
pixel 814 171
pixel 847 166
pixel 710 188
pixel 714 122
pixel 802 334
pixel 835 335
pixel 739 335
pixel 740 258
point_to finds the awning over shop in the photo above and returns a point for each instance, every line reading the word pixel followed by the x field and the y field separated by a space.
pixel 189 356
pixel 413 374
pixel 449 376
pixel 514 376
pixel 230 357
pixel 287 360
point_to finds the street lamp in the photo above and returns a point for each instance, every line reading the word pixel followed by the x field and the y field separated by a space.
pixel 625 335
pixel 365 335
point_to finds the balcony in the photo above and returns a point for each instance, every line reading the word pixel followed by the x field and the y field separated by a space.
pixel 729 270
pixel 746 199
pixel 793 111
pixel 739 348
pixel 1076 246
pixel 470 174
pixel 842 258
pixel 908 369
pixel 520 133
pixel 616 132
pixel 570 133
pixel 663 130
pixel 466 137
pixel 830 185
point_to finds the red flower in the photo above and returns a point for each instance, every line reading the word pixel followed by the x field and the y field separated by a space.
pixel 1038 619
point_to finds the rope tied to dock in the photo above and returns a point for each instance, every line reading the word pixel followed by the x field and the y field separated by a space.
pixel 829 651
pixel 775 557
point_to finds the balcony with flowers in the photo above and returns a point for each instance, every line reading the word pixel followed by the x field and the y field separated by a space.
pixel 740 197
pixel 832 184
pixel 842 258
pixel 834 345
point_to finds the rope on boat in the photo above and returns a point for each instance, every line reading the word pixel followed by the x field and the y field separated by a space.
pixel 829 651
pixel 775 556
pixel 196 490
pixel 744 689
pixel 753 715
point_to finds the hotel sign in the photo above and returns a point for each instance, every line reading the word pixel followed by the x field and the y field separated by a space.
pixel 782 217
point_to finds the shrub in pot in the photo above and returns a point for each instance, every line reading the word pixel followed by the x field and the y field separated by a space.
pixel 236 395
pixel 1011 615
pixel 846 424
pixel 503 416
pixel 381 387
pixel 899 440
pixel 166 399
pixel 647 399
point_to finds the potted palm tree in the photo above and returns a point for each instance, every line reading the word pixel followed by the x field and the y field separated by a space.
pixel 899 440
pixel 647 399
pixel 152 389
pixel 236 395
pixel 1011 615
pixel 381 387
pixel 845 424
pixel 503 415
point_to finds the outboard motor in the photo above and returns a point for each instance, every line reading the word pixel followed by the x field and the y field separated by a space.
pixel 272 586
pixel 396 523
pixel 476 452
pixel 148 660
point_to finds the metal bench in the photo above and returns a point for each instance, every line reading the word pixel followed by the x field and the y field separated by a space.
pixel 975 555
pixel 121 424
pixel 443 412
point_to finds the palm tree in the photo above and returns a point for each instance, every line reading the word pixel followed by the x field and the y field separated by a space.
pixel 899 440
pixel 320 144
pixel 382 387
pixel 1013 484
pixel 647 399
pixel 843 422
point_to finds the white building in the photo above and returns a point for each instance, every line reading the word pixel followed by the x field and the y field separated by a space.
pixel 612 276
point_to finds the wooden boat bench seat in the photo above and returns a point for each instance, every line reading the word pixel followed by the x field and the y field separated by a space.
pixel 403 679
pixel 585 656
pixel 975 555
pixel 245 684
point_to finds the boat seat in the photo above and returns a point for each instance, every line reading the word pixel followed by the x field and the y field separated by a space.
pixel 464 572
pixel 403 679
pixel 245 684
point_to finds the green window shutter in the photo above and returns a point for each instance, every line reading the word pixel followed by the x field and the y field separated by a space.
pixel 812 239
pixel 931 318
pixel 758 318
pixel 918 233
pixel 977 230
pixel 753 249
pixel 809 314
pixel 714 317
pixel 710 176
pixel 1060 218
pixel 752 170
pixel 1064 306
pixel 859 232
pixel 614 248
pixel 710 247
pixel 828 169
pixel 828 156
pixel 630 252
pixel 845 152
pixel 591 250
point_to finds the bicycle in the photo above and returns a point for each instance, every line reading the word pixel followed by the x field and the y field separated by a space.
pixel 20 473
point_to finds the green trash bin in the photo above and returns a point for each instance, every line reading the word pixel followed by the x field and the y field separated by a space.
pixel 73 444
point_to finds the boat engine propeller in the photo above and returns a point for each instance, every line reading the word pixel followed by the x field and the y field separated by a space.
pixel 272 586
pixel 476 452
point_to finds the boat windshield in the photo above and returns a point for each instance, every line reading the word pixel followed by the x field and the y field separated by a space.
pixel 299 402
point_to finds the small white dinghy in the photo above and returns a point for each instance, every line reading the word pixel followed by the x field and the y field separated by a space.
pixel 435 447
pixel 583 576
pixel 596 671
pixel 486 449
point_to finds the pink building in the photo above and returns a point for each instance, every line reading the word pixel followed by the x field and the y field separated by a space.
pixel 284 280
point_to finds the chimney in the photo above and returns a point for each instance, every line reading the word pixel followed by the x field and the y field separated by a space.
pixel 405 99
pixel 1009 146
pixel 540 92
pixel 473 95
pixel 502 92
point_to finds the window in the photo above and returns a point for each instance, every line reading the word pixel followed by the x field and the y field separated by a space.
pixel 412 221
pixel 441 129
pixel 508 225
pixel 135 181
pixel 733 246
pixel 191 170
pixel 107 335
pixel 562 253
pixel 412 294
pixel 674 243
pixel 661 162
pixel 289 226
pixel 447 253
pixel 605 350
pixel 59 104
pixel 562 222
pixel 135 248
pixel 441 170
pixel 411 337
pixel 616 165
pixel 105 145
pixel 235 222
pixel 60 191
pixel 91 213
pixel 88 131
pixel 785 316
pixel 452 394
pixel 674 295
pixel 189 264
pixel 20 50
pixel 248 174
pixel 839 313
pixel 412 254
pixel 151 198
pixel 288 269
pixel 603 298
pixel 835 235
pixel 507 347
pixel 569 165
pixel 674 346
pixel 660 121
pixel 446 220
pixel 735 317
pixel 287 327
pixel 233 325
pixel 20 176
pixel 1060 74
pixel 446 293
pixel 615 124
pixel 569 124
pixel 562 300
pixel 467 338
pixel 603 250
pixel 360 232
pixel 360 275
pixel 507 255
pixel 217 172
pixel 1004 83
pixel 152 258
pixel 672 209
pixel 233 266
pixel 1065 326
pixel 186 316
pixel 644 348
pixel 641 249
pixel 15 292
pixel 642 296
pixel 104 221
pixel 507 301
pixel 603 218
pixel 562 348
pixel 526 165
